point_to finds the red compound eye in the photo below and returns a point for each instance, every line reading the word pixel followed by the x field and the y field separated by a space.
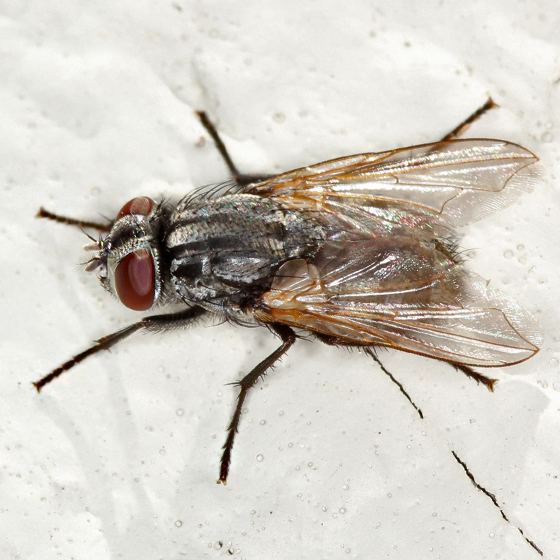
pixel 135 280
pixel 140 205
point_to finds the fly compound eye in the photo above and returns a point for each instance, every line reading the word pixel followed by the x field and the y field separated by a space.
pixel 141 205
pixel 135 279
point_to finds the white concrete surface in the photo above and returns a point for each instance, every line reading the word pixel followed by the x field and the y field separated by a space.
pixel 118 459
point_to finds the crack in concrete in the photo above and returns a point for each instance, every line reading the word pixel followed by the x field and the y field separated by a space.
pixel 494 501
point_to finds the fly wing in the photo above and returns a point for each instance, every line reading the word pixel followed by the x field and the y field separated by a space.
pixel 400 295
pixel 455 181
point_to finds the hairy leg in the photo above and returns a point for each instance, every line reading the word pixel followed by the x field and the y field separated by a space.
pixel 240 178
pixel 42 213
pixel 154 323
pixel 370 351
pixel 474 116
pixel 288 338
pixel 488 382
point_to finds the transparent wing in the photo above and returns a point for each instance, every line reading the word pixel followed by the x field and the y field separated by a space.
pixel 401 295
pixel 456 181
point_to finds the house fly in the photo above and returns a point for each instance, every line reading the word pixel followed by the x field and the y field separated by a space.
pixel 358 251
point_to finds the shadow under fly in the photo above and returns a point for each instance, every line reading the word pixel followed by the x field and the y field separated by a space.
pixel 359 251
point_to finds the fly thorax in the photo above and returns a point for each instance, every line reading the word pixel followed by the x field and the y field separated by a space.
pixel 229 248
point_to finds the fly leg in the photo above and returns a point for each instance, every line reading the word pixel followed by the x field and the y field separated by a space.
pixel 153 323
pixel 488 382
pixel 240 178
pixel 455 133
pixel 288 337
pixel 462 127
pixel 42 213
pixel 371 351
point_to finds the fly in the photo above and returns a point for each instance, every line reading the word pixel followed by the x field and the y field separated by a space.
pixel 359 251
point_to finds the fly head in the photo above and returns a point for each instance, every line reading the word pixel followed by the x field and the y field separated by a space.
pixel 128 262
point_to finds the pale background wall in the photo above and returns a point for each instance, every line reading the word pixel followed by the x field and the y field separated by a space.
pixel 119 458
